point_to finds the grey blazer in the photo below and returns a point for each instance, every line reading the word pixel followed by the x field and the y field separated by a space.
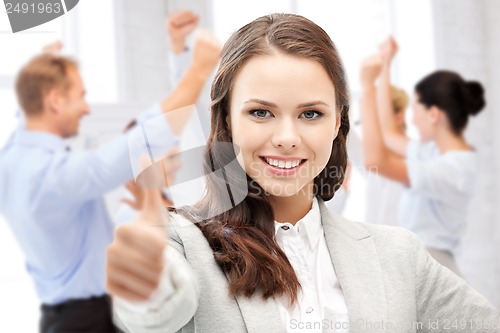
pixel 390 284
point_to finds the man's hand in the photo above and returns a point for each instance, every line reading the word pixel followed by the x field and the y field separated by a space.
pixel 54 47
pixel 135 259
pixel 207 50
pixel 179 26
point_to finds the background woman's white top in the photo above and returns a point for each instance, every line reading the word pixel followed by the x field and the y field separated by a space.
pixel 435 205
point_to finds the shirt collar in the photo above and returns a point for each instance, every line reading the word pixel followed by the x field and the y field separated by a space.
pixel 39 139
pixel 310 224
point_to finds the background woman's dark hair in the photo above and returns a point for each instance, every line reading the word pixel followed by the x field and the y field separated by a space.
pixel 451 93
pixel 242 238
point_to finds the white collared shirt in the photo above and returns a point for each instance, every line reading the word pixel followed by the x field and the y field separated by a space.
pixel 321 305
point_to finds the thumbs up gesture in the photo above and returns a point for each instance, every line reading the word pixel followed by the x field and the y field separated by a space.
pixel 135 260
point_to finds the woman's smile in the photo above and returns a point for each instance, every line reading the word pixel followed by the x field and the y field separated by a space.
pixel 283 166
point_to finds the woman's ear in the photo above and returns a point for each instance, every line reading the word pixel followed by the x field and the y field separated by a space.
pixel 439 116
pixel 338 121
pixel 436 114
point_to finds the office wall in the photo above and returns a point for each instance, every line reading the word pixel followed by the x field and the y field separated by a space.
pixel 466 40
pixel 141 50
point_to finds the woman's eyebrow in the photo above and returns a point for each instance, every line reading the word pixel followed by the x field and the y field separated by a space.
pixel 309 104
pixel 272 105
pixel 260 101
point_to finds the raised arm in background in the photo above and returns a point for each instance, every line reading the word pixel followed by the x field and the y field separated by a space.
pixel 393 138
pixel 377 155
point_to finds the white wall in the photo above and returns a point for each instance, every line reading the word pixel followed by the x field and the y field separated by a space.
pixel 466 40
pixel 142 50
pixel 491 16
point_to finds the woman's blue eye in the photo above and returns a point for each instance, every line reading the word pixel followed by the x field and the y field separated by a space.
pixel 260 113
pixel 311 114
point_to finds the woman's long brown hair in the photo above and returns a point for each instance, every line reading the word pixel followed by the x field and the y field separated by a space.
pixel 243 237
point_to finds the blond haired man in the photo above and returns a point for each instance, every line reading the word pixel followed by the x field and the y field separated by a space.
pixel 53 199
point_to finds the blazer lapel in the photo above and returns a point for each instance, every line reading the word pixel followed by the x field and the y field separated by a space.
pixel 260 315
pixel 357 266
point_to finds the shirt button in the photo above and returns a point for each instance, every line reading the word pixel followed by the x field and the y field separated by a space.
pixel 285 227
pixel 309 310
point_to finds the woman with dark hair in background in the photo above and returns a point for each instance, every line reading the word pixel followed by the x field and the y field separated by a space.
pixel 439 170
pixel 277 260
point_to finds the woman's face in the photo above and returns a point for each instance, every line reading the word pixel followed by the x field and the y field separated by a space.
pixel 422 119
pixel 284 120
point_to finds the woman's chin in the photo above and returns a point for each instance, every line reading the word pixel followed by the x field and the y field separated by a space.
pixel 282 189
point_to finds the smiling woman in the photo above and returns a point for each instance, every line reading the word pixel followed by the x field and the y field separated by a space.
pixel 279 260
pixel 287 68
pixel 288 115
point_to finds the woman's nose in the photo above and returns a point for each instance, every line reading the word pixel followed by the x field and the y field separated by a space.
pixel 286 135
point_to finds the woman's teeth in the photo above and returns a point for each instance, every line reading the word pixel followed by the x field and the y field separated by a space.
pixel 282 164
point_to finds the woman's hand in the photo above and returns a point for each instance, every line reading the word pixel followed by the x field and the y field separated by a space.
pixel 135 259
pixel 137 193
pixel 370 70
pixel 388 49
